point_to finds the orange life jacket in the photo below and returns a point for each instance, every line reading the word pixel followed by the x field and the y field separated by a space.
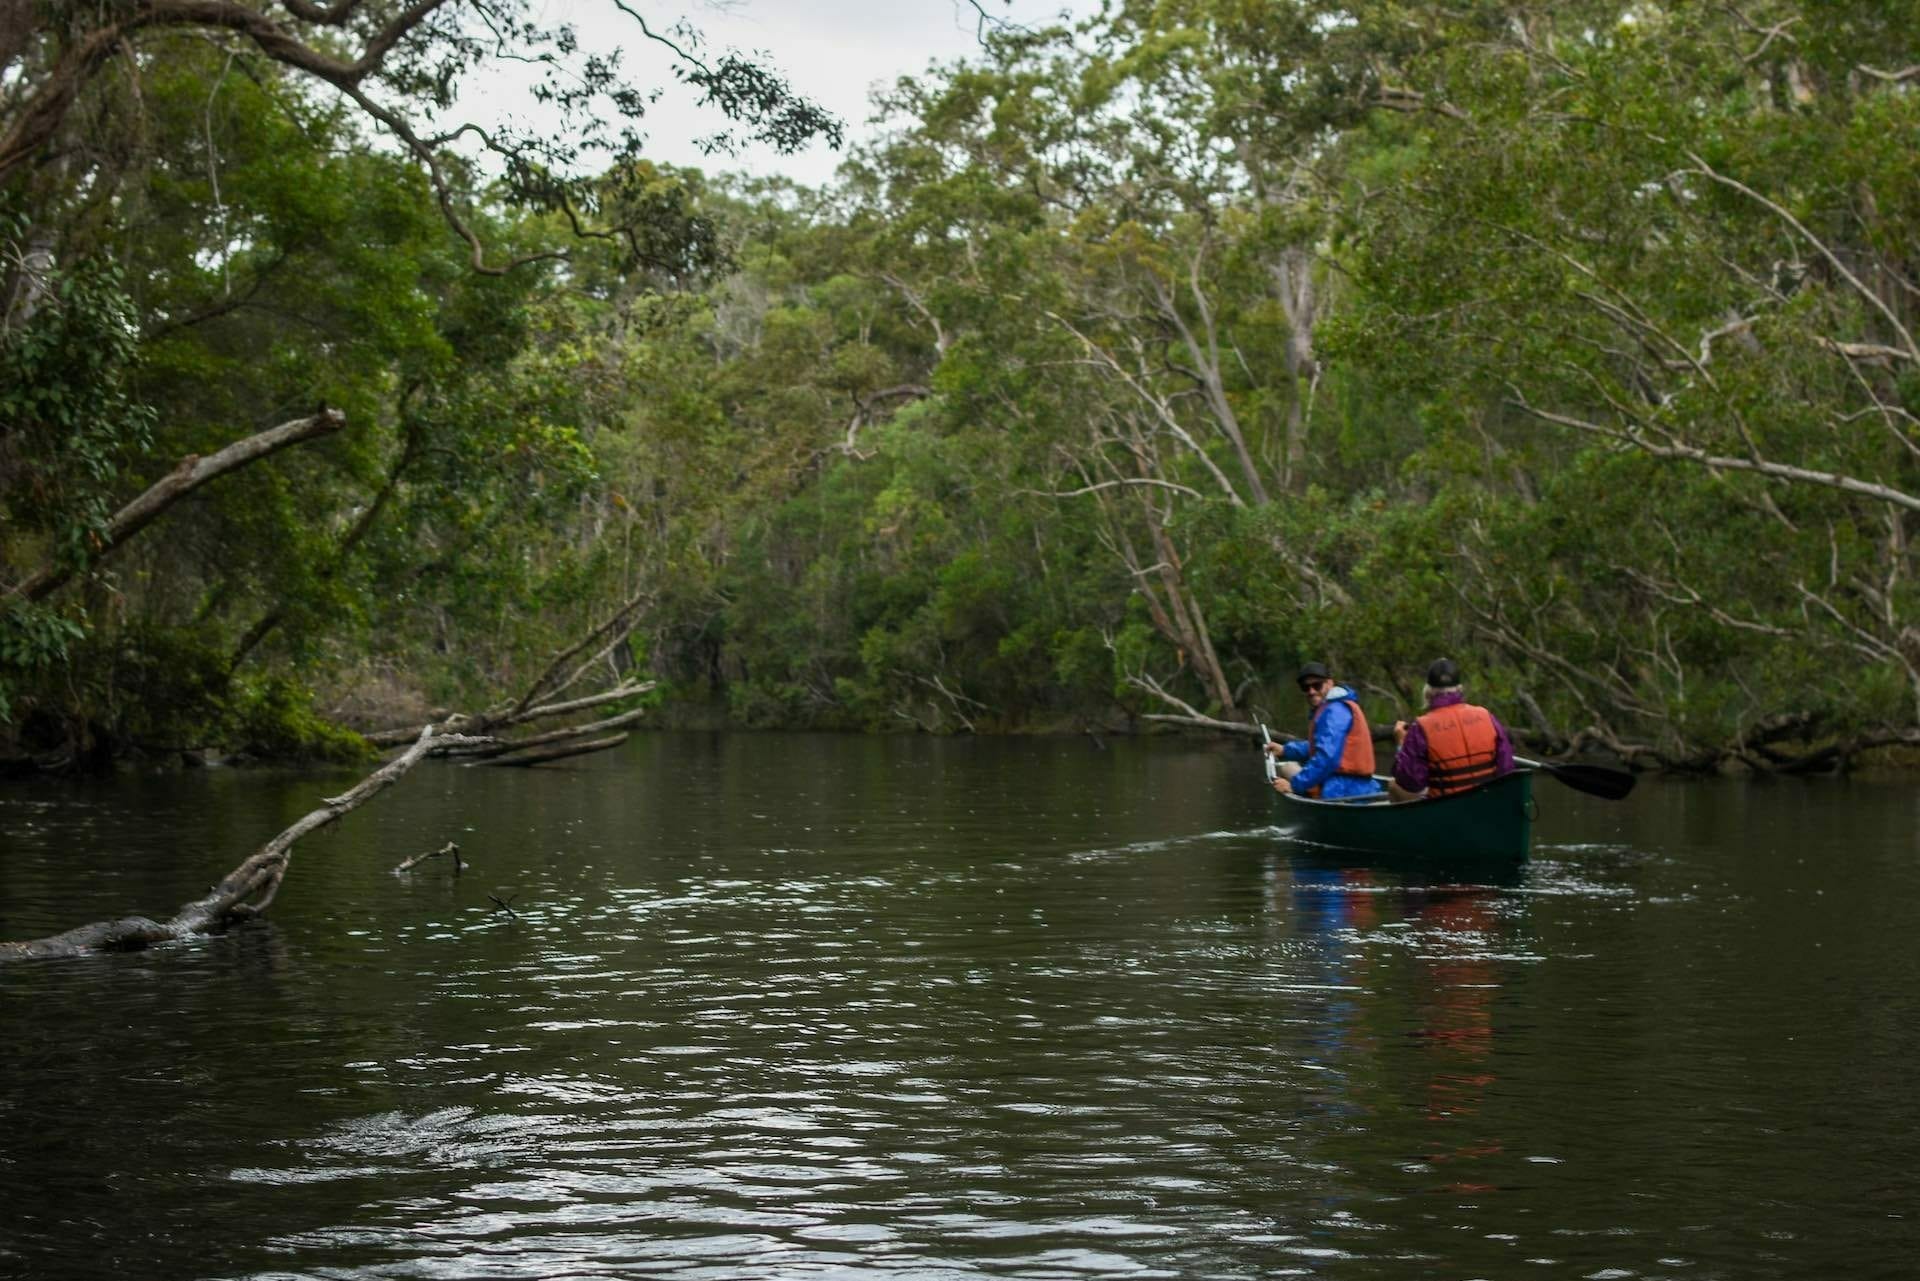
pixel 1356 754
pixel 1461 746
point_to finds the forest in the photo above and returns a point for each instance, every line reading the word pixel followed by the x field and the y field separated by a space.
pixel 1122 368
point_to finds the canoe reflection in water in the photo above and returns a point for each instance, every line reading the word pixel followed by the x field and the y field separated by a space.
pixel 1433 1057
pixel 1460 987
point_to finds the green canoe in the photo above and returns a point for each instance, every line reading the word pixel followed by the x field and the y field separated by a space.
pixel 1489 823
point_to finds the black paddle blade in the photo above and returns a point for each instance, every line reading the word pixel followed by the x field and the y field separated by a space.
pixel 1594 780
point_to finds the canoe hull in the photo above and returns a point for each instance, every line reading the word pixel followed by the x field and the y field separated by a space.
pixel 1493 823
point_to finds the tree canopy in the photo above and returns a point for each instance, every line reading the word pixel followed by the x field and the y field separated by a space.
pixel 1122 369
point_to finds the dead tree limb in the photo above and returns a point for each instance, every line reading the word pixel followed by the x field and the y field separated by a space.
pixel 581 704
pixel 1202 722
pixel 486 721
pixel 612 632
pixel 504 747
pixel 394 737
pixel 559 752
pixel 1188 714
pixel 245 891
pixel 417 859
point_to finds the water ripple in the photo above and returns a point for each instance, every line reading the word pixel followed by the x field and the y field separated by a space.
pixel 959 1011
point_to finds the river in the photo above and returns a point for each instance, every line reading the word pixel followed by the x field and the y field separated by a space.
pixel 801 1006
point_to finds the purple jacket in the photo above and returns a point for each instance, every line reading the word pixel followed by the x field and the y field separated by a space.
pixel 1410 762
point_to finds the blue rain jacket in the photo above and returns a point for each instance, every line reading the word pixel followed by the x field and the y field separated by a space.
pixel 1322 755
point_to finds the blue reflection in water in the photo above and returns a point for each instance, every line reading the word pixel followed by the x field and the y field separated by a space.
pixel 1326 909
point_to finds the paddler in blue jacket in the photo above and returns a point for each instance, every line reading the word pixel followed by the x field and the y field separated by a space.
pixel 1335 761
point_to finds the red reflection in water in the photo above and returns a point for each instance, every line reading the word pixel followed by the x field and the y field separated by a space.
pixel 1459 989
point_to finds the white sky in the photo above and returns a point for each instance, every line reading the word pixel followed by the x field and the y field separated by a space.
pixel 832 51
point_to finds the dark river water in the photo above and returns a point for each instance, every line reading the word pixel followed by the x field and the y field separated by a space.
pixel 812 1006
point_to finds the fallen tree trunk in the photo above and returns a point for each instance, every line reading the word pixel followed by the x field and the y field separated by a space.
pixel 607 635
pixel 244 892
pixel 1201 721
pixel 487 722
pixel 504 747
pixel 556 753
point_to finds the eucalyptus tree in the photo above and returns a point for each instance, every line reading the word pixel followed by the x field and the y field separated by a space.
pixel 322 278
pixel 1132 223
pixel 1679 238
pixel 205 232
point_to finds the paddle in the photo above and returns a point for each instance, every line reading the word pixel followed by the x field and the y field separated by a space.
pixel 1266 757
pixel 1595 780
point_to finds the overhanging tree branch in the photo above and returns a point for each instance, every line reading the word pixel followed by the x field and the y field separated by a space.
pixel 1872 298
pixel 1101 358
pixel 189 475
pixel 1723 462
pixel 403 62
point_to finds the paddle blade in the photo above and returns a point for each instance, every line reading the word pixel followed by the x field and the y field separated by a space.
pixel 1595 780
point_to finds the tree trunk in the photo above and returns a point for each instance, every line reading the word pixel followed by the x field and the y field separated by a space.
pixel 1293 283
pixel 26 278
pixel 245 891
pixel 1205 358
pixel 486 752
pixel 559 752
pixel 1191 625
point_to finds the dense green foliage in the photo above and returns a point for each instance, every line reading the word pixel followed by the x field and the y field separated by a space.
pixel 1124 370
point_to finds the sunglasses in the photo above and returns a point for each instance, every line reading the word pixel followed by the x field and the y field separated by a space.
pixel 1312 687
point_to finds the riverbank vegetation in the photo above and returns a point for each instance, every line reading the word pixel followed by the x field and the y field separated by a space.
pixel 1122 370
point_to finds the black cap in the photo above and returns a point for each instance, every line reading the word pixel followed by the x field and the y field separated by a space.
pixel 1312 672
pixel 1444 674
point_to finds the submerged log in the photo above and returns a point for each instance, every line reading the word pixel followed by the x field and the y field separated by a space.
pixel 417 859
pixel 556 753
pixel 244 892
